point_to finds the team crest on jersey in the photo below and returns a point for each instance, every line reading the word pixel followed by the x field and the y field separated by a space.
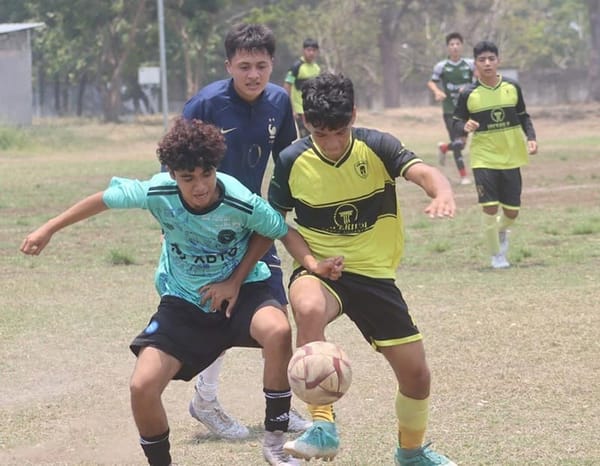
pixel 226 236
pixel 361 168
pixel 345 218
pixel 497 115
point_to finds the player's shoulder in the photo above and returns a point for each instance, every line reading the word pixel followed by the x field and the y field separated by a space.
pixel 212 91
pixel 511 82
pixel 276 96
pixel 275 92
pixel 232 186
pixel 374 138
pixel 291 153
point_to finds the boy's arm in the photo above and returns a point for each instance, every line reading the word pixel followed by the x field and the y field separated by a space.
pixel 37 240
pixel 224 294
pixel 437 187
pixel 298 248
pixel 438 94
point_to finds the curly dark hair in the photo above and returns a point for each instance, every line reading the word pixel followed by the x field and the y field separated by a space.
pixel 328 101
pixel 190 144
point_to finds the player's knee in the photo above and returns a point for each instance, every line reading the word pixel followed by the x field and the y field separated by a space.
pixel 140 388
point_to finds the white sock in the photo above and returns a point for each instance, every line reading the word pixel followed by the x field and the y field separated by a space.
pixel 208 380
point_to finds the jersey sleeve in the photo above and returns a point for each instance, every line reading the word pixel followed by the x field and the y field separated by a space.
pixel 438 69
pixel 280 195
pixel 124 193
pixel 287 133
pixel 524 117
pixel 196 109
pixel 461 112
pixel 265 220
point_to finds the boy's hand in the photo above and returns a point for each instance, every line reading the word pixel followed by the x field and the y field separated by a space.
pixel 35 241
pixel 222 296
pixel 441 206
pixel 532 147
pixel 330 268
pixel 471 126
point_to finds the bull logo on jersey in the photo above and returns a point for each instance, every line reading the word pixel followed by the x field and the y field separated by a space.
pixel 497 115
pixel 345 218
pixel 226 236
pixel 361 168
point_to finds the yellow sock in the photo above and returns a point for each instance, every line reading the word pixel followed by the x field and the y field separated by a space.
pixel 321 412
pixel 505 222
pixel 412 420
pixel 490 233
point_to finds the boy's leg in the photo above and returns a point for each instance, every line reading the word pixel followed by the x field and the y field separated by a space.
pixel 205 406
pixel 314 306
pixel 412 404
pixel 152 373
pixel 271 329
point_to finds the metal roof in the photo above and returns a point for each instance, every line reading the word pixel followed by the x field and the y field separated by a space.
pixel 5 28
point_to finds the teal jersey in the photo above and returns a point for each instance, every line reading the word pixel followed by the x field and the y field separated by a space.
pixel 453 76
pixel 199 247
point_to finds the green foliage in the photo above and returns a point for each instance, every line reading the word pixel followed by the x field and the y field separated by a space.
pixel 11 138
pixel 380 43
pixel 118 257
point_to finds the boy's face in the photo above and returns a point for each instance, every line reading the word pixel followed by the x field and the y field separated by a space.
pixel 486 64
pixel 310 54
pixel 198 187
pixel 455 47
pixel 333 143
pixel 251 71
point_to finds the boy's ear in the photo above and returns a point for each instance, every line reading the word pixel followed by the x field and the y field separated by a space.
pixel 172 173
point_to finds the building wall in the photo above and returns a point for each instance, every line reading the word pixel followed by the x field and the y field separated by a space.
pixel 15 78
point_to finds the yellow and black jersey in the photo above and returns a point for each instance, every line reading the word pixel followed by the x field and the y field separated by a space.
pixel 347 207
pixel 500 111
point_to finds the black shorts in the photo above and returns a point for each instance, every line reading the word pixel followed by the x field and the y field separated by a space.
pixel 275 281
pixel 448 121
pixel 197 338
pixel 375 305
pixel 498 187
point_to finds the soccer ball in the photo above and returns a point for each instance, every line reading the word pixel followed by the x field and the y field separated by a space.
pixel 319 372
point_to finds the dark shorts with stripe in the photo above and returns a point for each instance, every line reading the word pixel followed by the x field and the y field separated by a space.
pixel 197 338
pixel 275 281
pixel 375 305
pixel 498 186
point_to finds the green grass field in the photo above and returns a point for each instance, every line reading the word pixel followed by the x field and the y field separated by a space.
pixel 514 353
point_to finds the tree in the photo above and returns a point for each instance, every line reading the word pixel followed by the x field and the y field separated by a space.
pixel 593 7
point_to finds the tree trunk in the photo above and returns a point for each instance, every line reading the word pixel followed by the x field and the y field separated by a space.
pixel 112 93
pixel 80 93
pixel 594 70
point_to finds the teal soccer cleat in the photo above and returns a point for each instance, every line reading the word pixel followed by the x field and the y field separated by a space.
pixel 319 441
pixel 423 456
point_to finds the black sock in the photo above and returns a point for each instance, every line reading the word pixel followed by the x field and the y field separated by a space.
pixel 277 411
pixel 157 449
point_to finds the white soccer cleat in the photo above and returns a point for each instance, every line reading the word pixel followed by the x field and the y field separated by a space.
pixel 499 261
pixel 215 419
pixel 297 423
pixel 273 450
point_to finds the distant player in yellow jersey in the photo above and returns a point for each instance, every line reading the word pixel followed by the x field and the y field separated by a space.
pixel 341 183
pixel 493 110
pixel 302 69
